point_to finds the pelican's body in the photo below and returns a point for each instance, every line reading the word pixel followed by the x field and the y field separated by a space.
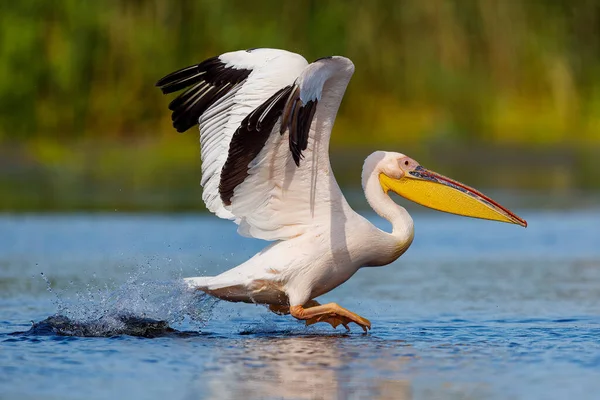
pixel 265 121
pixel 302 268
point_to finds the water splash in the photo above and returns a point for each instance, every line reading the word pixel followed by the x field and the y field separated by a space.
pixel 57 299
pixel 140 307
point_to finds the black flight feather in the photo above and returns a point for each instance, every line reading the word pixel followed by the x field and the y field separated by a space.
pixel 208 82
pixel 299 126
pixel 248 140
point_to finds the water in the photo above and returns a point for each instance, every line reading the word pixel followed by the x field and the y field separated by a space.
pixel 475 310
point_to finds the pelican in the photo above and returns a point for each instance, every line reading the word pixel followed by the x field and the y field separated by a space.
pixel 265 118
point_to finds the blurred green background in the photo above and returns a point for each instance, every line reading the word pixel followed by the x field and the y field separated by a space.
pixel 503 95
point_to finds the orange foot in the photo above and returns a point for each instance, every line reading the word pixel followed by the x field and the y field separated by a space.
pixel 331 313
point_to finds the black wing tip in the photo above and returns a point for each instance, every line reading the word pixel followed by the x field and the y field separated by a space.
pixel 167 82
pixel 183 127
pixel 206 83
pixel 176 75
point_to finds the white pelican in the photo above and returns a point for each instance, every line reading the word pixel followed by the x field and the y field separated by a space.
pixel 265 119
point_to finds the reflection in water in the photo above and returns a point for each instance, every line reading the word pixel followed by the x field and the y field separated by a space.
pixel 306 367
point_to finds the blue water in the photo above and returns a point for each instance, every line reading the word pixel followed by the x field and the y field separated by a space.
pixel 474 310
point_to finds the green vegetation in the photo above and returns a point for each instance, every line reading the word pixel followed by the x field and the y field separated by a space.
pixel 78 102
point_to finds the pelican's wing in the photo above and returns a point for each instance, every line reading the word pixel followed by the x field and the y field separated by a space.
pixel 277 179
pixel 221 92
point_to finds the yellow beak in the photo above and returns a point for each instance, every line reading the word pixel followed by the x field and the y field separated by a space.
pixel 444 194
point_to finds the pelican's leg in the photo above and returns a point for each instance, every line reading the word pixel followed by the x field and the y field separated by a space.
pixel 330 313
pixel 285 310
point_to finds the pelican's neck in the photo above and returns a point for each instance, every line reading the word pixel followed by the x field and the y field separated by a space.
pixel 382 204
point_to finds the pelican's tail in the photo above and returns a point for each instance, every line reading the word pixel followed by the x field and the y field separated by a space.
pixel 226 286
pixel 198 282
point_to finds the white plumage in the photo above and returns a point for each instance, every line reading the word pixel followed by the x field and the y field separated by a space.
pixel 265 119
pixel 270 71
pixel 262 205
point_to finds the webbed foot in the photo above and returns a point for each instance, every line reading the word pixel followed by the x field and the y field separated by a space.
pixel 331 313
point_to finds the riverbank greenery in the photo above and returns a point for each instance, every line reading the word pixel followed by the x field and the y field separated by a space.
pixel 504 85
pixel 484 70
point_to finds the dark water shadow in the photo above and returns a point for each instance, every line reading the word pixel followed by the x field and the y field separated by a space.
pixel 106 326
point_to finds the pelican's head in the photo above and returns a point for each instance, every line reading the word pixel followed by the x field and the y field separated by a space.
pixel 407 178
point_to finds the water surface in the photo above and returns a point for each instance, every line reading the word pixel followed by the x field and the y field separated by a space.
pixel 474 310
